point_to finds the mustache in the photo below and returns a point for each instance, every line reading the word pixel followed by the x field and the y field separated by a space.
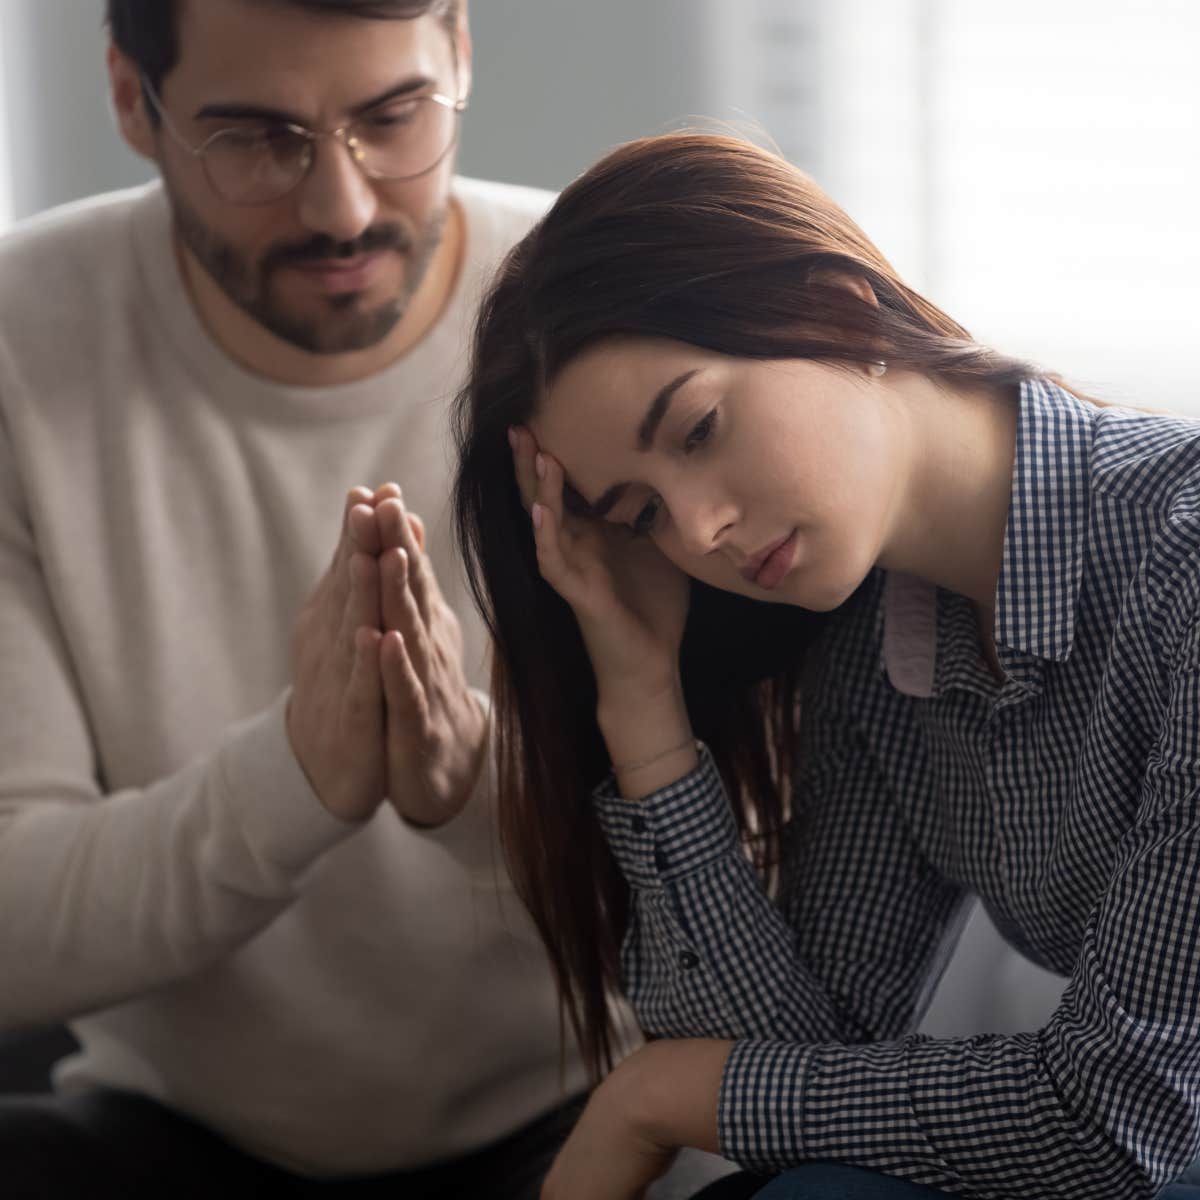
pixel 321 247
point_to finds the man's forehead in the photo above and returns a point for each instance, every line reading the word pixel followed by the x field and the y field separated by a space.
pixel 283 54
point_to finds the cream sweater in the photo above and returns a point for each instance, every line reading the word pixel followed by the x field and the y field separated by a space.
pixel 338 1000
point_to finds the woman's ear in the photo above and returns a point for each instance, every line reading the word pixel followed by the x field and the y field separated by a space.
pixel 858 285
pixel 851 281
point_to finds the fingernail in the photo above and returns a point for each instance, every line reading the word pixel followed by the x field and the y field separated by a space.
pixel 536 513
pixel 539 465
pixel 512 437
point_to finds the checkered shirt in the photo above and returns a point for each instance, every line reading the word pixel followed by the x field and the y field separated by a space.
pixel 1067 797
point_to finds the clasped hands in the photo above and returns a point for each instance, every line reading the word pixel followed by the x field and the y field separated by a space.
pixel 380 706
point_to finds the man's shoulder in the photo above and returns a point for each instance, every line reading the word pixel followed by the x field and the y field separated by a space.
pixel 74 246
pixel 499 214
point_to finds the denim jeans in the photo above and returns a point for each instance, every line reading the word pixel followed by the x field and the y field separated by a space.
pixel 831 1181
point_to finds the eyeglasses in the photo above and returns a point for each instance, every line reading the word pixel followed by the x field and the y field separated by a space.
pixel 258 164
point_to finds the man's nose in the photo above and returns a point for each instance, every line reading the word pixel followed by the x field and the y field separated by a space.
pixel 336 198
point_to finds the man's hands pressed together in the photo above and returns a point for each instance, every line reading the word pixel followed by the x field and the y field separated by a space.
pixel 436 727
pixel 380 705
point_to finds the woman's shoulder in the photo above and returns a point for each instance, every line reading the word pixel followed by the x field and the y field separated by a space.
pixel 1149 460
pixel 1145 515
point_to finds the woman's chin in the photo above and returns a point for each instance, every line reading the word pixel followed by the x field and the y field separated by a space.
pixel 815 593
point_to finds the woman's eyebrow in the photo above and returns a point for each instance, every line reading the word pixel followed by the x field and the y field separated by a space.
pixel 658 410
pixel 645 438
pixel 608 501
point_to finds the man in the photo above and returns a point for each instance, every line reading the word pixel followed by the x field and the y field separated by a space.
pixel 277 975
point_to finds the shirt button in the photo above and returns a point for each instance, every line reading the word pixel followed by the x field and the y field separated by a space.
pixel 660 860
pixel 689 961
pixel 639 824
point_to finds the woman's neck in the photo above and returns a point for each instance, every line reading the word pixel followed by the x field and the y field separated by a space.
pixel 950 524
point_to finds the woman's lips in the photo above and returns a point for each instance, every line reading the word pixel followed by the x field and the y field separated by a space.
pixel 767 568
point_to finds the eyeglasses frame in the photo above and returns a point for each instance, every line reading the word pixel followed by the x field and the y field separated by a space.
pixel 311 136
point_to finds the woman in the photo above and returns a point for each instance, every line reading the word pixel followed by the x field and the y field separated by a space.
pixel 754 468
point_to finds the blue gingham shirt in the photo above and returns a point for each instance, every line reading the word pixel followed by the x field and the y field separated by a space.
pixel 1067 797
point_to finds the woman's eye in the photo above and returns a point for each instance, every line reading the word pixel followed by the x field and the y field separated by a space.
pixel 643 523
pixel 700 432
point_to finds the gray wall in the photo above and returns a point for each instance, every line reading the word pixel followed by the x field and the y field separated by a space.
pixel 557 82
pixel 61 134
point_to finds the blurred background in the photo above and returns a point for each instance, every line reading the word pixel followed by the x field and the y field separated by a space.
pixel 1031 165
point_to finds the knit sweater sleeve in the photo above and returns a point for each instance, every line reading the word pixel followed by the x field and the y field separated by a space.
pixel 105 895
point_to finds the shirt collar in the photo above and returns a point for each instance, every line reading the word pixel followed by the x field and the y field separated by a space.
pixel 1037 595
pixel 1045 539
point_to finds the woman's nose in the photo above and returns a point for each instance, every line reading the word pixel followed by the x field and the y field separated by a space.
pixel 704 521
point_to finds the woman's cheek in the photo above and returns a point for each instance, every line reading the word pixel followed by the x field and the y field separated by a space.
pixel 714 569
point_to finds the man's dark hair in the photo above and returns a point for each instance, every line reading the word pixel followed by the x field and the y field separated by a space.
pixel 147 32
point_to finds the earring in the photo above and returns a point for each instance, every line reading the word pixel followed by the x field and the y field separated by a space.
pixel 878 369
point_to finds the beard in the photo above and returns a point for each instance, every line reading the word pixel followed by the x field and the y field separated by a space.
pixel 342 323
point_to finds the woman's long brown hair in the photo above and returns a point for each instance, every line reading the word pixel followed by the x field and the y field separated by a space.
pixel 714 242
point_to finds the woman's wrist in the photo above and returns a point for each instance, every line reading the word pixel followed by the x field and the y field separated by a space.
pixel 649 739
pixel 673 1090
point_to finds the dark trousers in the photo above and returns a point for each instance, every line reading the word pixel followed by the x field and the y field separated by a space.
pixel 101 1144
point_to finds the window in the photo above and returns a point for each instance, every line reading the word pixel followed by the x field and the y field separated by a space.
pixel 1031 166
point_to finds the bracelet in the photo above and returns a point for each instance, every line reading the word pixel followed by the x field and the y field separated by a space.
pixel 625 768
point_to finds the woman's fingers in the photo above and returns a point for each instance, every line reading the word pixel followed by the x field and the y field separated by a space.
pixel 552 562
pixel 549 473
pixel 561 549
pixel 524 450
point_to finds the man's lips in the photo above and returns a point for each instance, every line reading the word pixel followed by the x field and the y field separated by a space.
pixel 341 274
pixel 771 563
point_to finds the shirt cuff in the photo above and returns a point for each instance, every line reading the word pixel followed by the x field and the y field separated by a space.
pixel 761 1103
pixel 671 832
pixel 270 798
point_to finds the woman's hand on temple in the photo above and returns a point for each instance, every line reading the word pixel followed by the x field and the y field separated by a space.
pixel 630 601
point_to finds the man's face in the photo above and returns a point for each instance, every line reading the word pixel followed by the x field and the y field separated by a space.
pixel 331 266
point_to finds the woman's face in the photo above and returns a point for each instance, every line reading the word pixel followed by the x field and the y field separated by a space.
pixel 778 479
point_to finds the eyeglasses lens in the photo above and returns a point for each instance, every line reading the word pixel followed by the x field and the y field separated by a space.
pixel 260 164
